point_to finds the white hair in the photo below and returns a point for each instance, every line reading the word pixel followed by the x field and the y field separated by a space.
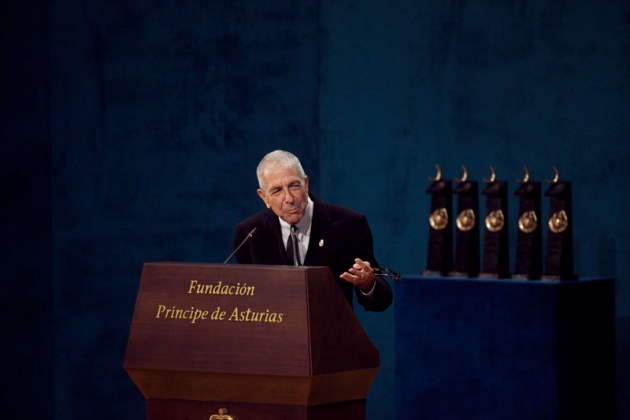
pixel 278 159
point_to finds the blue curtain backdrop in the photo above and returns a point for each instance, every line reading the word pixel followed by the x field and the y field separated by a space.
pixel 130 133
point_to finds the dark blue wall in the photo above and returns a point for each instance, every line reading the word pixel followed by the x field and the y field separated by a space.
pixel 26 289
pixel 130 133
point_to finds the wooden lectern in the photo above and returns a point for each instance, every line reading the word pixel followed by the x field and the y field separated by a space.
pixel 247 342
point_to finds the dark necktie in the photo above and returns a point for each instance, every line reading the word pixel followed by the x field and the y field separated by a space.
pixel 293 252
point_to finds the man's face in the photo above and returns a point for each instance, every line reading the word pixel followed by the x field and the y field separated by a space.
pixel 285 193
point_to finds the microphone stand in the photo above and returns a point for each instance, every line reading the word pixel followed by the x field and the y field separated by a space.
pixel 249 235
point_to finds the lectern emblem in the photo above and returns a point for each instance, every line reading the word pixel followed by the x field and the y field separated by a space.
pixel 466 220
pixel 221 416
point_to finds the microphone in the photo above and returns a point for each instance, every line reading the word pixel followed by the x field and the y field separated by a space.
pixel 249 235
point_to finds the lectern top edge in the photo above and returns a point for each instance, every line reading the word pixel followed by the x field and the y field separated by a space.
pixel 244 266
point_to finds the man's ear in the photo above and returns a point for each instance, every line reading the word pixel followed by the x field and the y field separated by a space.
pixel 261 194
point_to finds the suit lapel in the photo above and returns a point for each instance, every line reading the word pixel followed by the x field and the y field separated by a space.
pixel 317 251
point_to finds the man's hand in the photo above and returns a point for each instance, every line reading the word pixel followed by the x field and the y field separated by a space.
pixel 360 274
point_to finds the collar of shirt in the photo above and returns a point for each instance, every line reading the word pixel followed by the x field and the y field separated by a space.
pixel 304 229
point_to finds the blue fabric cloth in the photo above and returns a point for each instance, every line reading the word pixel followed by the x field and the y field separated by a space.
pixel 504 349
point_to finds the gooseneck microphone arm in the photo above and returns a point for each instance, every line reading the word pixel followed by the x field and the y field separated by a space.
pixel 249 235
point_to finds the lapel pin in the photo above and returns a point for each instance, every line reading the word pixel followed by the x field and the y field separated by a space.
pixel 321 243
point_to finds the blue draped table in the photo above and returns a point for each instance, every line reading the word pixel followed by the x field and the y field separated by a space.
pixel 504 349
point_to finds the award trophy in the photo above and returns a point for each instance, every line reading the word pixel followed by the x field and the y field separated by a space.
pixel 529 233
pixel 495 240
pixel 440 251
pixel 467 234
pixel 559 258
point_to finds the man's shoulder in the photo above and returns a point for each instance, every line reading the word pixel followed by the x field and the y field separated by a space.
pixel 337 211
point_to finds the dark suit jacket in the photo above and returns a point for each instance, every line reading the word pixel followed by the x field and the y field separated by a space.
pixel 338 236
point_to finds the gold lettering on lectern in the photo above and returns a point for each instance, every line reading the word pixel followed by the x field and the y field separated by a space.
pixel 220 289
pixel 252 316
pixel 193 314
pixel 218 314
